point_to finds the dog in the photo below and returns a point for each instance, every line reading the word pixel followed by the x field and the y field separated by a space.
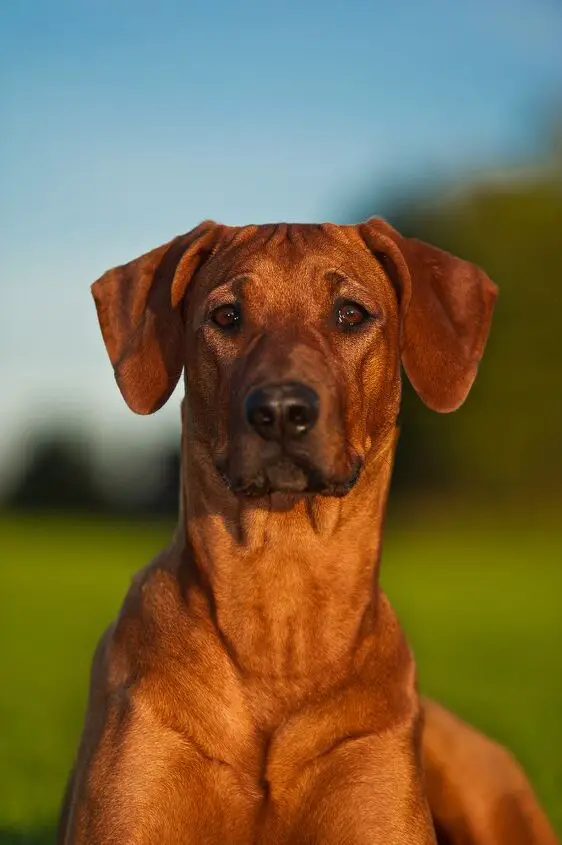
pixel 256 686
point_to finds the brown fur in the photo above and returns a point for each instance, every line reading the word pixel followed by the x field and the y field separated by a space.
pixel 256 686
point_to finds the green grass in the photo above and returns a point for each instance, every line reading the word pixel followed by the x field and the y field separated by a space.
pixel 481 600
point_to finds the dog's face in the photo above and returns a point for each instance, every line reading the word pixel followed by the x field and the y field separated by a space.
pixel 292 358
pixel 291 338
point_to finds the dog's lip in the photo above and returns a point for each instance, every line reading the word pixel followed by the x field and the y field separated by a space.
pixel 315 483
pixel 342 488
pixel 286 476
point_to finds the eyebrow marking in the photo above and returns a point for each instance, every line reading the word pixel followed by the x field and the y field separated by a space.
pixel 235 283
pixel 340 279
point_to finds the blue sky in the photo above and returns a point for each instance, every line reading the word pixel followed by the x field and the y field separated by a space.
pixel 125 123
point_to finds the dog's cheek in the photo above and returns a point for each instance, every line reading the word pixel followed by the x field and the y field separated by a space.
pixel 384 402
pixel 378 392
pixel 203 368
pixel 225 399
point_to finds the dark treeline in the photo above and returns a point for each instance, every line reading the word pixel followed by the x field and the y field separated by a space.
pixel 62 474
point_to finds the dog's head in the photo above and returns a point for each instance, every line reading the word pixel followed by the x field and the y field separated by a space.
pixel 291 337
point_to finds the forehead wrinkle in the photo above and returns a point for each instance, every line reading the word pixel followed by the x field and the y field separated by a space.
pixel 283 240
pixel 247 244
pixel 283 256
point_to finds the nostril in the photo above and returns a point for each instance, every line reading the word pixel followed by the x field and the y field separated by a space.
pixel 300 411
pixel 262 413
pixel 300 416
pixel 262 416
pixel 282 411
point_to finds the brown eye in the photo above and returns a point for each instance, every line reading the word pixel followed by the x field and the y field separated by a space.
pixel 350 315
pixel 226 317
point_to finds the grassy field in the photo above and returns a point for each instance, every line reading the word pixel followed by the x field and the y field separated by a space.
pixel 479 598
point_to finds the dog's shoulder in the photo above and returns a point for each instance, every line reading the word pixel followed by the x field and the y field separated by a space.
pixel 150 613
pixel 155 666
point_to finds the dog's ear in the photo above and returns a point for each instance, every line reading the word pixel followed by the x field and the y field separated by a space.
pixel 138 307
pixel 446 307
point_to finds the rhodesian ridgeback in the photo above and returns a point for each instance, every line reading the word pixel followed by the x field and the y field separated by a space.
pixel 256 686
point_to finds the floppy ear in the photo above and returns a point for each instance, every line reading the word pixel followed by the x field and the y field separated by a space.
pixel 140 318
pixel 446 306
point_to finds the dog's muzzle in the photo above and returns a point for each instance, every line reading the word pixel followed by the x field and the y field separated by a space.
pixel 281 446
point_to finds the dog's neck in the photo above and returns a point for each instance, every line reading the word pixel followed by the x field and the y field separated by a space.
pixel 292 582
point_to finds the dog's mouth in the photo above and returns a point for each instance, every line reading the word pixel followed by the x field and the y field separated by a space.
pixel 290 476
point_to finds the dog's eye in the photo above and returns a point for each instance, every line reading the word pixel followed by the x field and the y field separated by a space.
pixel 350 315
pixel 226 317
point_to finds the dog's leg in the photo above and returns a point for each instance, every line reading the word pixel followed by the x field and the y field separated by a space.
pixel 365 790
pixel 478 793
pixel 129 784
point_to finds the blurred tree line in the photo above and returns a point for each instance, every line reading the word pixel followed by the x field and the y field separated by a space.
pixel 63 473
pixel 505 440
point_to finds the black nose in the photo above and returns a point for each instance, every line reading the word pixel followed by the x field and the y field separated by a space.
pixel 282 411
